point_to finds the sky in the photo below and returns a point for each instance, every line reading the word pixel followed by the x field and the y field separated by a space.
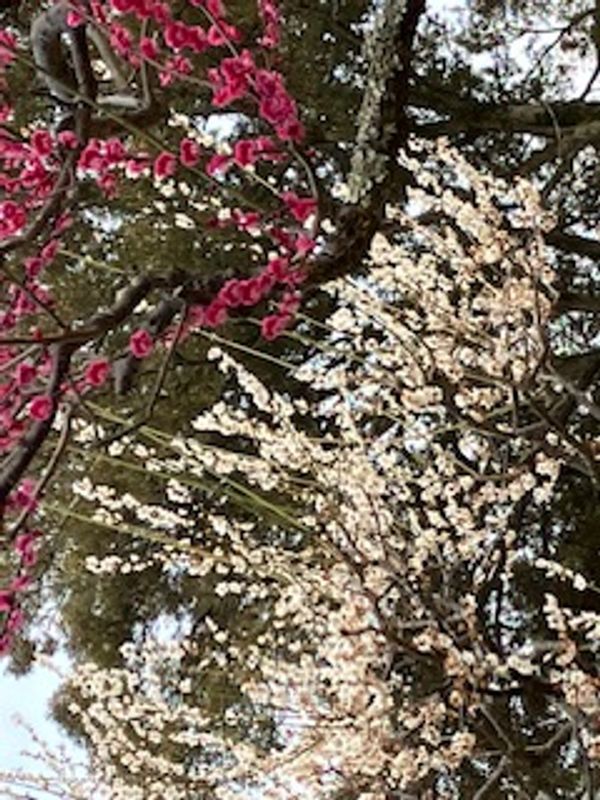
pixel 28 698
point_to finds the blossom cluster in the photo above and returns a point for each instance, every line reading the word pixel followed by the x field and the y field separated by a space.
pixel 26 554
pixel 41 168
pixel 404 514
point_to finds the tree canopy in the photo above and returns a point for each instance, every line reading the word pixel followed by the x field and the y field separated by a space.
pixel 299 395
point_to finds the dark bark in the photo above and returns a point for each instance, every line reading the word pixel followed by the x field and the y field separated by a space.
pixel 357 225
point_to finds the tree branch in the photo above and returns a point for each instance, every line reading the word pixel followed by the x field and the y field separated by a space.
pixel 383 128
pixel 579 245
pixel 468 116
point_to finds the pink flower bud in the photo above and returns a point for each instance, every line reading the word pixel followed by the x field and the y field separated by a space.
pixel 272 326
pixel 215 314
pixel 300 207
pixel 189 152
pixel 41 141
pixel 141 343
pixel 164 166
pixel 25 373
pixel 41 407
pixel 96 372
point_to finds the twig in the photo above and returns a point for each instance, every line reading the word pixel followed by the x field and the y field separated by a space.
pixel 24 452
pixel 49 472
pixel 493 778
pixel 556 738
pixel 498 730
pixel 31 295
pixel 157 387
